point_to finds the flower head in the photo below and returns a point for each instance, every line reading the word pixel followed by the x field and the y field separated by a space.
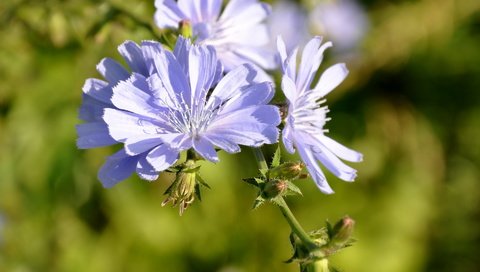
pixel 237 33
pixel 304 124
pixel 182 101
pixel 342 21
pixel 289 20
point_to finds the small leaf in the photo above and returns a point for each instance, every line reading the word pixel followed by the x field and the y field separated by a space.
pixel 259 181
pixel 202 181
pixel 251 181
pixel 293 189
pixel 258 201
pixel 276 158
pixel 264 172
pixel 197 191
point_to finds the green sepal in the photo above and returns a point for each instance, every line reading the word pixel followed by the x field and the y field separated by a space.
pixel 198 185
pixel 276 158
pixel 253 181
pixel 202 181
pixel 169 189
pixel 258 202
pixel 293 189
pixel 197 192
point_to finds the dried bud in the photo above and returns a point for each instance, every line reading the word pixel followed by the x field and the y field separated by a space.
pixel 182 190
pixel 287 170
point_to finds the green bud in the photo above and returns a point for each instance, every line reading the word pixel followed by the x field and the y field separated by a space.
pixel 185 28
pixel 287 170
pixel 183 189
pixel 342 231
pixel 274 188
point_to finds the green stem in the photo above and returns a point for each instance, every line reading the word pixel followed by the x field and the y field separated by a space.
pixel 262 163
pixel 287 213
pixel 295 225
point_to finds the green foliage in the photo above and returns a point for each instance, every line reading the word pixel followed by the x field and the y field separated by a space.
pixel 410 104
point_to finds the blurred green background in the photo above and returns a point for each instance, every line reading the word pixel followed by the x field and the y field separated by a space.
pixel 411 104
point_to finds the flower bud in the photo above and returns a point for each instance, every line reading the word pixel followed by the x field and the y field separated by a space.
pixel 185 28
pixel 287 170
pixel 274 188
pixel 342 231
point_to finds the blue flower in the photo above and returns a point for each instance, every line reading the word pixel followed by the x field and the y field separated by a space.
pixel 97 97
pixel 181 100
pixel 237 33
pixel 304 124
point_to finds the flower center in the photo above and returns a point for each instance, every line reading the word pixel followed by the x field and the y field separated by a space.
pixel 309 116
pixel 191 118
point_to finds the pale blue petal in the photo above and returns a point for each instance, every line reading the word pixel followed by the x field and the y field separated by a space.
pixel 168 14
pixel 139 144
pixel 118 167
pixel 254 115
pixel 123 125
pixel 200 10
pixel 248 135
pixel 314 169
pixel 330 79
pixel 252 126
pixel 163 97
pixel 172 76
pixel 91 109
pixel 287 138
pixel 127 96
pixel 162 157
pixel 289 89
pixel 98 89
pixel 202 67
pixel 182 47
pixel 255 94
pixel 223 143
pixel 145 170
pixel 334 164
pixel 340 150
pixel 309 63
pixel 178 141
pixel 133 55
pixel 92 135
pixel 150 49
pixel 242 13
pixel 234 82
pixel 205 149
pixel 112 71
pixel 263 57
pixel 254 36
pixel 282 52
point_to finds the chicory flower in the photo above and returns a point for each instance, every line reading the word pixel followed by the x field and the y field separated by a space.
pixel 304 125
pixel 238 32
pixel 179 100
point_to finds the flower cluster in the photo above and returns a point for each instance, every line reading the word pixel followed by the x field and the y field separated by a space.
pixel 209 93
